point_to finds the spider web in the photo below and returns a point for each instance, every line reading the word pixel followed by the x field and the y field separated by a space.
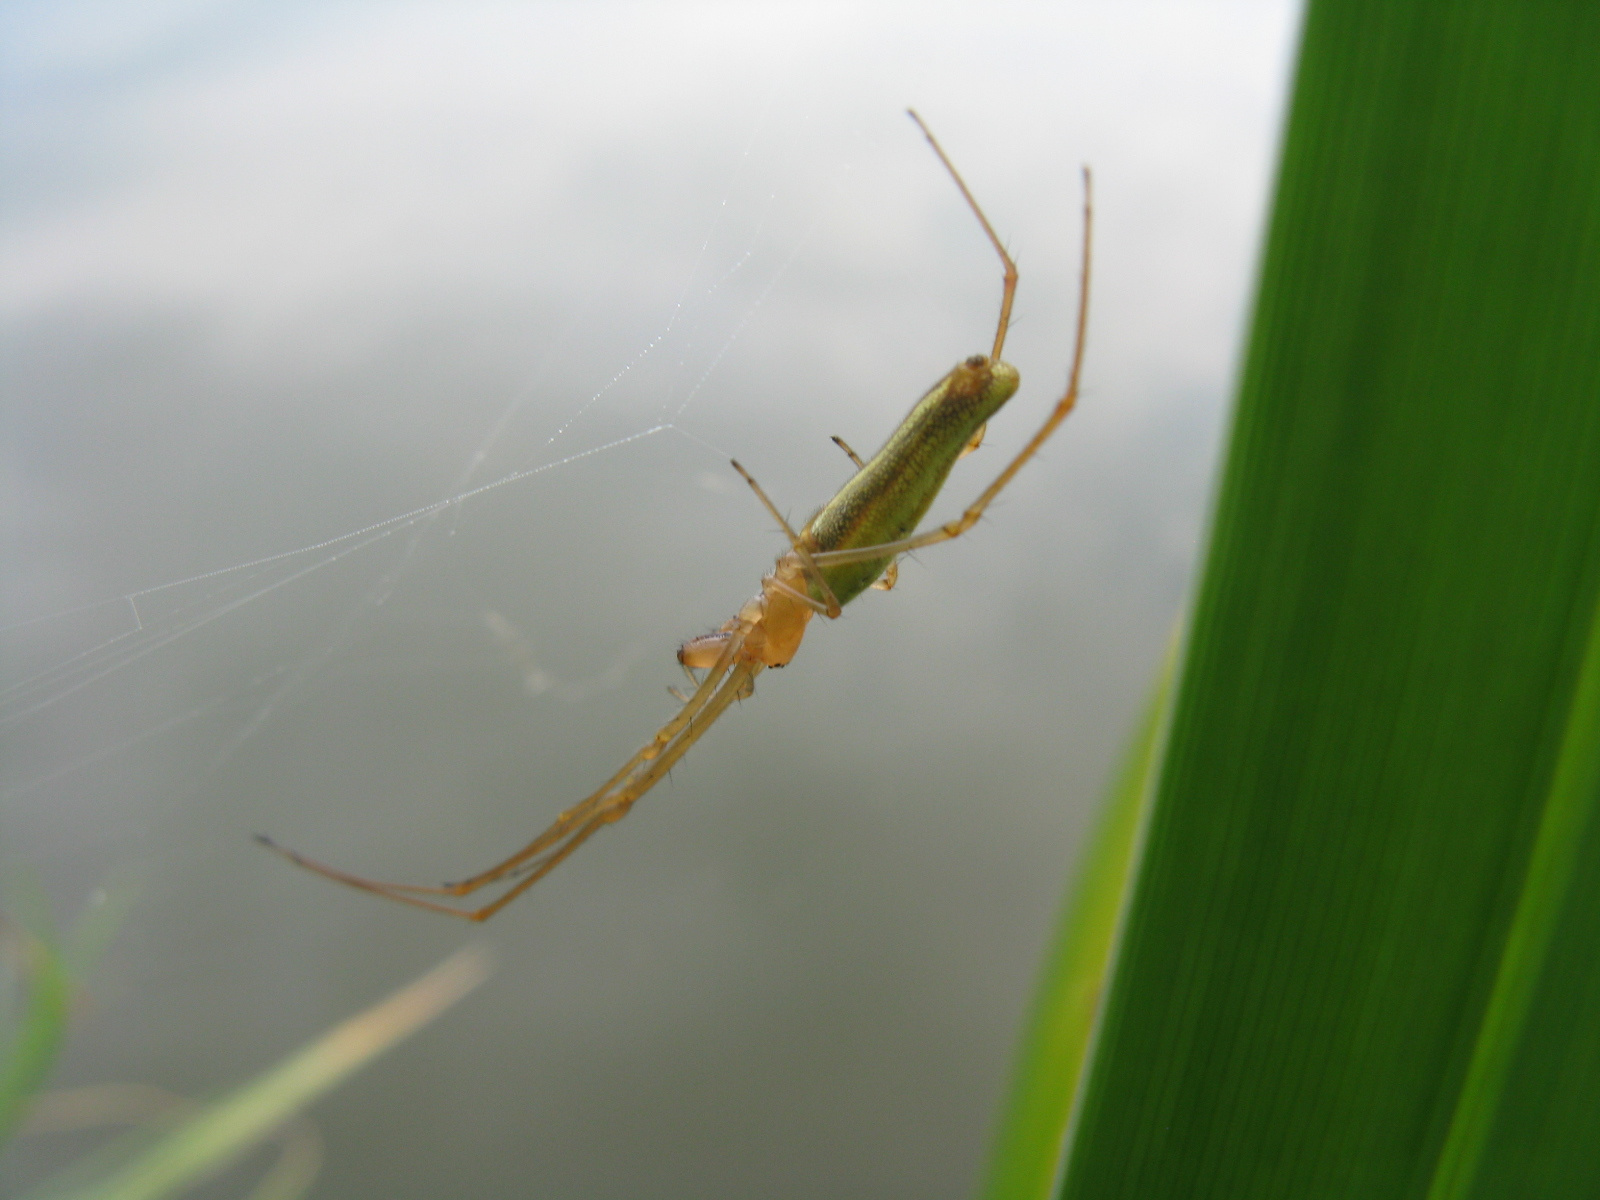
pixel 95 663
pixel 313 414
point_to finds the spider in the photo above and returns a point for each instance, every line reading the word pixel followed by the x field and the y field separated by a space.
pixel 851 544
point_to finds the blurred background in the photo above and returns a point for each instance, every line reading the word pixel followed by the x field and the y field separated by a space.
pixel 370 376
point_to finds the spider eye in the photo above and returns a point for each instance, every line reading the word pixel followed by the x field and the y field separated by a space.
pixel 977 360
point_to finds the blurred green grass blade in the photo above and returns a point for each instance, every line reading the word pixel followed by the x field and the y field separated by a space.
pixel 41 1025
pixel 47 973
pixel 1027 1152
pixel 1360 957
pixel 207 1141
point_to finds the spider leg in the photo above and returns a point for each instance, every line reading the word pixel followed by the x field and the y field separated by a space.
pixel 1009 292
pixel 832 608
pixel 616 807
pixel 854 457
pixel 608 803
pixel 1057 414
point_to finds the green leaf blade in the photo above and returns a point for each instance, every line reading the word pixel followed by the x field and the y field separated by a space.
pixel 208 1140
pixel 1027 1154
pixel 1386 648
